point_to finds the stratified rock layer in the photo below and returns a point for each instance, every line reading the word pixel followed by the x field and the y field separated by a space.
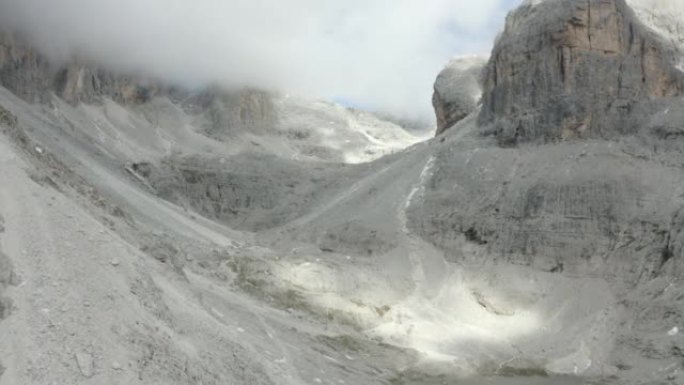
pixel 581 68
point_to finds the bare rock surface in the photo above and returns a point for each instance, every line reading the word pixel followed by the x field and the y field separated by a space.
pixel 236 239
pixel 121 286
pixel 75 312
pixel 233 120
pixel 85 364
pixel 457 90
pixel 31 76
pixel 576 69
pixel 243 193
pixel 6 118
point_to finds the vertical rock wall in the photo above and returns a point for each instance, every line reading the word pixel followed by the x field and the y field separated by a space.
pixel 573 69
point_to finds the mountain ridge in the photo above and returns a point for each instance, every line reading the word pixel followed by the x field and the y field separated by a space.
pixel 211 244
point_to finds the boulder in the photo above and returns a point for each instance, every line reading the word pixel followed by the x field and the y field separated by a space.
pixel 457 91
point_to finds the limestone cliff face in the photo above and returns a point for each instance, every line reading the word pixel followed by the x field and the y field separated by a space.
pixel 81 83
pixel 32 77
pixel 610 207
pixel 229 112
pixel 580 68
pixel 23 71
pixel 457 91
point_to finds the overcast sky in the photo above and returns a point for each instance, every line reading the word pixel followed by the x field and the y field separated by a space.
pixel 380 54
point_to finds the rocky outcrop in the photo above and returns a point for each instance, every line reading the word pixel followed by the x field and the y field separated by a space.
pixel 229 112
pixel 457 91
pixel 249 192
pixel 7 118
pixel 80 83
pixel 33 77
pixel 574 69
pixel 23 71
pixel 572 207
pixel 264 120
pixel 6 279
pixel 608 208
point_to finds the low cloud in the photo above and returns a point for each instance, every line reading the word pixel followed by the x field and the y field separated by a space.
pixel 380 54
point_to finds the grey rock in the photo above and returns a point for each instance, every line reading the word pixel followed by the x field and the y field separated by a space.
pixel 354 238
pixel 554 208
pixel 7 118
pixel 269 122
pixel 227 113
pixel 144 169
pixel 7 278
pixel 5 307
pixel 457 91
pixel 25 73
pixel 162 251
pixel 608 208
pixel 81 83
pixel 32 76
pixel 576 69
pixel 244 193
pixel 6 270
pixel 86 364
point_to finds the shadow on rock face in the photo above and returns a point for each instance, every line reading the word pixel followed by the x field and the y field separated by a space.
pixel 5 307
pixel 6 272
pixel 7 278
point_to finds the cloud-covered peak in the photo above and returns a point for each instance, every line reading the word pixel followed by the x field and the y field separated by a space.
pixel 381 54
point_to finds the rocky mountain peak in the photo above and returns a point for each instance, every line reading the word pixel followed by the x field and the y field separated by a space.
pixel 575 69
pixel 32 76
pixel 457 90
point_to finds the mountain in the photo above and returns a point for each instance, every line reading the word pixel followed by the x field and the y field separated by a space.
pixel 458 89
pixel 598 73
pixel 153 234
